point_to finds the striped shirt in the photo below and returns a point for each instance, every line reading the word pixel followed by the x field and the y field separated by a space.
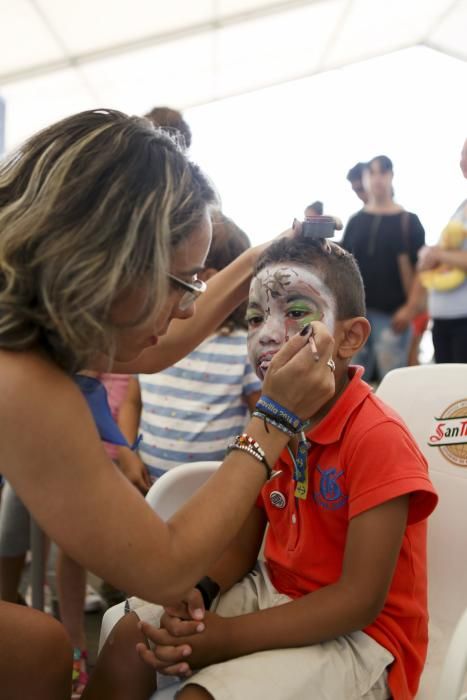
pixel 191 410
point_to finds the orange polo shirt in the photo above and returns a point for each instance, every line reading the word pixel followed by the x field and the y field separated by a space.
pixel 361 455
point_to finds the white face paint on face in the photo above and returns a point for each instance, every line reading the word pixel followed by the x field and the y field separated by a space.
pixel 283 299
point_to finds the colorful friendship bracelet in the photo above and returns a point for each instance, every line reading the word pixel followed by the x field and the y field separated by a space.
pixel 245 443
pixel 282 415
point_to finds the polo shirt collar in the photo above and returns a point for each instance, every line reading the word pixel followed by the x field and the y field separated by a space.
pixel 330 428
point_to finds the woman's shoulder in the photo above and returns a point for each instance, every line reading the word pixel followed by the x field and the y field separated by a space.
pixel 29 376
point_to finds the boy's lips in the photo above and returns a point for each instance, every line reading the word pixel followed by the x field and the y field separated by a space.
pixel 264 360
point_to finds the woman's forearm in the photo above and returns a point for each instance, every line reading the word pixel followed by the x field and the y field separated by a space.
pixel 454 258
pixel 94 514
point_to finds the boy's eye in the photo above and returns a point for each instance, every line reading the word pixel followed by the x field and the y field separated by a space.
pixel 254 320
pixel 301 310
pixel 298 313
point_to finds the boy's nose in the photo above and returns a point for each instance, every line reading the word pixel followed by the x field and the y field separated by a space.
pixel 272 331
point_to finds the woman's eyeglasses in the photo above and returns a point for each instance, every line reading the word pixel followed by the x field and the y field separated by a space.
pixel 192 291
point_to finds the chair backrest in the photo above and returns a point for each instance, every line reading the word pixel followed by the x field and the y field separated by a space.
pixel 432 400
pixel 176 486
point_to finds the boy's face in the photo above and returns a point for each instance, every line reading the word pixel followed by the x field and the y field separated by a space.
pixel 283 299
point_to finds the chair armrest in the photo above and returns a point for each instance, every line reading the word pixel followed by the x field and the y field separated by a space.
pixel 109 620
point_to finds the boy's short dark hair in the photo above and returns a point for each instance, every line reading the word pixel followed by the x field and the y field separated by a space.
pixel 356 173
pixel 338 268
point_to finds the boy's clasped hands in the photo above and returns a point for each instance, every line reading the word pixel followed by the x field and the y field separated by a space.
pixel 188 638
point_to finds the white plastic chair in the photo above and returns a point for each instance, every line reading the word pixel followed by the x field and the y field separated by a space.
pixel 165 497
pixel 421 395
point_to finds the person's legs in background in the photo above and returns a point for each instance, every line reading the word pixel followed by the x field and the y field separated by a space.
pixel 14 543
pixel 71 590
pixel 459 340
pixel 450 340
pixel 366 357
pixel 391 349
pixel 419 326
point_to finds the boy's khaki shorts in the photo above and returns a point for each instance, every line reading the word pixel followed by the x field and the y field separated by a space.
pixel 352 667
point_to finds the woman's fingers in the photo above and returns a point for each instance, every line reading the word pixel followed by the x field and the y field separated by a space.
pixel 301 374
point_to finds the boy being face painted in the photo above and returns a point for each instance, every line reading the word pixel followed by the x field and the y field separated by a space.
pixel 283 299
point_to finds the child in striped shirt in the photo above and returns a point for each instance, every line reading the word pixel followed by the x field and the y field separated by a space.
pixel 190 411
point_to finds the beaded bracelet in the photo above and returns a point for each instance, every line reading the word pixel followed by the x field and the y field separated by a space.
pixel 279 413
pixel 245 443
pixel 271 421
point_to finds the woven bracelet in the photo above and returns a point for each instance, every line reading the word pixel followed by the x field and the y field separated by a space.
pixel 279 413
pixel 272 421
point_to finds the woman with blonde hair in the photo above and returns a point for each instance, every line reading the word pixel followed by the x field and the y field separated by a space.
pixel 103 226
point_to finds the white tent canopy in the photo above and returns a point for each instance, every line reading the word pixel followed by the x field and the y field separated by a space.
pixel 59 56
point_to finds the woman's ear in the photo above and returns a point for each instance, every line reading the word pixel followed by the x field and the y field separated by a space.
pixel 353 335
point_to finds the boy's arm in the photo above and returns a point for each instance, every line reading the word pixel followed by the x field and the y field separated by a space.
pixel 241 556
pixel 352 603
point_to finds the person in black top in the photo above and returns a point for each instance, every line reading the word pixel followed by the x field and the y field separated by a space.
pixel 355 177
pixel 385 239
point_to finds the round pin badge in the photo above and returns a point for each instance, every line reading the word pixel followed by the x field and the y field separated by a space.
pixel 277 499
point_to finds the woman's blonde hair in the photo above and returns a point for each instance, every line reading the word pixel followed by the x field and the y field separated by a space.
pixel 89 207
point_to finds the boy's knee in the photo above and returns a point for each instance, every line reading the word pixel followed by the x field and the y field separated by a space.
pixel 120 644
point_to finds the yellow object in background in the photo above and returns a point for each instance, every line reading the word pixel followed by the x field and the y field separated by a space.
pixel 444 278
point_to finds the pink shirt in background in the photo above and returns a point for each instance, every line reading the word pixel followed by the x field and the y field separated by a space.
pixel 117 387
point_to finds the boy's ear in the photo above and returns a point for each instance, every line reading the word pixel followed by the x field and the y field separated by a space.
pixel 353 335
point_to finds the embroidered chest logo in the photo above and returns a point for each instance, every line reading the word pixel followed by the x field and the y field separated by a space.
pixel 330 494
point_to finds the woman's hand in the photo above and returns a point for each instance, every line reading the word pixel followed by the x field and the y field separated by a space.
pixel 299 376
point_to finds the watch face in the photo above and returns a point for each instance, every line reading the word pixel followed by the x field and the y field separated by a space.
pixel 278 499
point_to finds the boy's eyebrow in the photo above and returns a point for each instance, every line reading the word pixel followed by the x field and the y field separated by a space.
pixel 254 304
pixel 294 296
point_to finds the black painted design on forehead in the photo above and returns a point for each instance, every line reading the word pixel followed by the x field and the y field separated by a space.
pixel 276 284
